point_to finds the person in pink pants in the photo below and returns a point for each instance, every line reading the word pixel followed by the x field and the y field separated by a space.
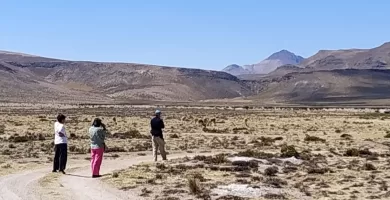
pixel 97 134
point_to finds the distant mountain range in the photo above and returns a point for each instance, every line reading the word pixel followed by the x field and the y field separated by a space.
pixel 266 66
pixel 376 58
pixel 361 76
pixel 37 79
pixel 350 76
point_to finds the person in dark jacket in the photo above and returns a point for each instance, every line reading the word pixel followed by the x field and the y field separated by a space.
pixel 158 143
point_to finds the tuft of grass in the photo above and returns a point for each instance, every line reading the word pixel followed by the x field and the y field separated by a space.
pixel 256 178
pixel 353 152
pixel 197 175
pixel 289 169
pixel 168 198
pixel 255 154
pixel 79 150
pixel 2 129
pixel 159 176
pixel 312 129
pixel 278 138
pixel 302 188
pixel 145 192
pixel 115 175
pixel 309 138
pixel 115 149
pixel 274 196
pixel 131 134
pixel 267 141
pixel 230 197
pixel 174 136
pixel 276 182
pixel 316 170
pixel 200 157
pixel 387 134
pixel 271 171
pixel 214 130
pixel 346 136
pixel 369 167
pixel 219 159
pixel 6 166
pixel 333 151
pixel 161 166
pixel 289 151
pixel 383 186
pixel 43 120
pixel 193 185
pixel 239 129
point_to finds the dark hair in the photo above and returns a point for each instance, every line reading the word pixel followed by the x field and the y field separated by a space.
pixel 61 117
pixel 97 122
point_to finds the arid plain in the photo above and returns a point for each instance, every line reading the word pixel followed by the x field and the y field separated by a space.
pixel 218 152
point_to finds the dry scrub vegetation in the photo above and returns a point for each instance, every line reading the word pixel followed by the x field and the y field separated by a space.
pixel 279 154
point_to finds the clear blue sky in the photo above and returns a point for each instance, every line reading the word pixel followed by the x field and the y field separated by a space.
pixel 207 34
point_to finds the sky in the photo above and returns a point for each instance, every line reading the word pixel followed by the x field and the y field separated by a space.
pixel 205 34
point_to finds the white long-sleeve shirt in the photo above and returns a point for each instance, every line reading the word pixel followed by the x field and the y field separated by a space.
pixel 59 128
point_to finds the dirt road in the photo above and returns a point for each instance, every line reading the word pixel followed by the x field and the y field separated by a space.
pixel 76 185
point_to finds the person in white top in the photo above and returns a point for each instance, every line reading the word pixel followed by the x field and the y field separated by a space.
pixel 61 146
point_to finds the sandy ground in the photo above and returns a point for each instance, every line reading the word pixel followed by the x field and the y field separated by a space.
pixel 76 184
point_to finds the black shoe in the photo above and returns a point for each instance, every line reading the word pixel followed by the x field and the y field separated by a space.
pixel 54 171
pixel 62 171
pixel 96 176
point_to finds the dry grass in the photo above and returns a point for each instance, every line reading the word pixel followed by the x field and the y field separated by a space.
pixel 193 185
pixel 271 171
pixel 309 138
pixel 338 149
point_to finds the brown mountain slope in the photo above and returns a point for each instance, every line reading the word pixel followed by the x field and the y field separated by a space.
pixel 42 79
pixel 376 58
pixel 329 86
pixel 338 76
pixel 149 82
pixel 8 56
pixel 20 85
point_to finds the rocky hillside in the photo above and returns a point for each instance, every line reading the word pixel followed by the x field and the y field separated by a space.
pixel 361 75
pixel 329 86
pixel 31 78
pixel 376 58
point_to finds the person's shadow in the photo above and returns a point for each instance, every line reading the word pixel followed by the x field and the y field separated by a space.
pixel 81 176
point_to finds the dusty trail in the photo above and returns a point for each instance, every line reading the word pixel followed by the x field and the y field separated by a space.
pixel 76 185
pixel 23 185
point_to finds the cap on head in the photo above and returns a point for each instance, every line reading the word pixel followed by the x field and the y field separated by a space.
pixel 158 112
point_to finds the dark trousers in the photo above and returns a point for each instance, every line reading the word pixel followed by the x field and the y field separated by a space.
pixel 60 157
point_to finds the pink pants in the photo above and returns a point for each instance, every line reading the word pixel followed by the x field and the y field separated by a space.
pixel 96 160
